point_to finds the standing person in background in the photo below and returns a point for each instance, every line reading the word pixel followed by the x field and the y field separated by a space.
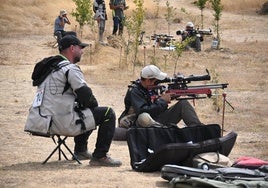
pixel 118 7
pixel 100 16
pixel 59 25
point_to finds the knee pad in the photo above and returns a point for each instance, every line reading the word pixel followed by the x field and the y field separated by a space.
pixel 145 120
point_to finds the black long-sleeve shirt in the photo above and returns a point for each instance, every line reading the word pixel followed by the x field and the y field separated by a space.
pixel 140 99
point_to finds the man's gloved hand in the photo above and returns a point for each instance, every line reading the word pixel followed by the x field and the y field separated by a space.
pixel 86 98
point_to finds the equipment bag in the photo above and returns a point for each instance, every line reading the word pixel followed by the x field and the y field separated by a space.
pixel 196 182
pixel 151 148
pixel 169 172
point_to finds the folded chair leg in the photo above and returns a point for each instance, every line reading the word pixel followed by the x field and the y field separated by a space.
pixel 73 156
pixel 59 143
pixel 57 148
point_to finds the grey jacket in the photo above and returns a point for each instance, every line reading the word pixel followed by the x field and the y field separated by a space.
pixel 54 111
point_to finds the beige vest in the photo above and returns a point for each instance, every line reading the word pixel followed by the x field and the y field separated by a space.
pixel 52 111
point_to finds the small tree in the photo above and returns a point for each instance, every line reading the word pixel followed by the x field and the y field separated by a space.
pixel 201 5
pixel 83 13
pixel 169 15
pixel 179 48
pixel 217 7
pixel 156 14
pixel 134 26
pixel 189 15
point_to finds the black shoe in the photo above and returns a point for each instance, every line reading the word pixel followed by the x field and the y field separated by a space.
pixel 105 161
pixel 86 155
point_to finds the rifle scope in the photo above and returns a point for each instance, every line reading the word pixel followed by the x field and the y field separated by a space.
pixel 182 79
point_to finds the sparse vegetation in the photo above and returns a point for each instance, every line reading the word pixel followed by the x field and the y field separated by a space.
pixel 201 4
pixel 83 13
pixel 134 26
pixel 169 16
pixel 217 7
pixel 26 28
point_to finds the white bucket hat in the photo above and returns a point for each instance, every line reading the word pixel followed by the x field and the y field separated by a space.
pixel 62 12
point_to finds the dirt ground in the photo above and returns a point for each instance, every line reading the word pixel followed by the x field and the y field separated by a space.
pixel 242 63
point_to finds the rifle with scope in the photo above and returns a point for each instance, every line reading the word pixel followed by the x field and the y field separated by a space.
pixel 194 32
pixel 162 40
pixel 179 89
pixel 163 37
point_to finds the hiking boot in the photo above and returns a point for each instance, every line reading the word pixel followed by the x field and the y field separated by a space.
pixel 105 161
pixel 85 155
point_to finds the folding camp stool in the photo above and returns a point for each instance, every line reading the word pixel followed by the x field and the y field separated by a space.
pixel 55 44
pixel 61 141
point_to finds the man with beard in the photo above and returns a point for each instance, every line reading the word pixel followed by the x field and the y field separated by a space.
pixel 70 104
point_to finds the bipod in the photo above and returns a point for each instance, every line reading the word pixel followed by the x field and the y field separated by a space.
pixel 223 111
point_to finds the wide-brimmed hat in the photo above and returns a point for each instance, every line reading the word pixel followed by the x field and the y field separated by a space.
pixel 63 12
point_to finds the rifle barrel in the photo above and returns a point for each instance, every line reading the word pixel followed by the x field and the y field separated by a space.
pixel 210 86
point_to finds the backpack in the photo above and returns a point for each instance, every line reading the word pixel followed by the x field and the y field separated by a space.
pixel 44 67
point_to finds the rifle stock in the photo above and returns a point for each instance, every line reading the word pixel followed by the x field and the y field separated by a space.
pixel 179 89
pixel 195 92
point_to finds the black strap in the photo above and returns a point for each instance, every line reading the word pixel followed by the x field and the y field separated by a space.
pixel 67 85
pixel 81 120
pixel 39 111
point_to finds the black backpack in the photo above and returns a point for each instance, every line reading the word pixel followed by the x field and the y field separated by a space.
pixel 44 67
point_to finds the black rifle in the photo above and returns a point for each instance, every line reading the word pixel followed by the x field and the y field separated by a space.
pixel 162 39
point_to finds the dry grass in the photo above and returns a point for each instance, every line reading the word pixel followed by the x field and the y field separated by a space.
pixel 242 5
pixel 30 16
pixel 26 33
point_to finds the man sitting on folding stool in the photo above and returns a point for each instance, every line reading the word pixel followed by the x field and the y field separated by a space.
pixel 64 104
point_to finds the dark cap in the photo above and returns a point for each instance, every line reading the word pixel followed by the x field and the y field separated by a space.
pixel 69 40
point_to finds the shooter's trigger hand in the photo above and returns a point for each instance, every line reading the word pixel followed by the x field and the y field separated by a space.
pixel 166 97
